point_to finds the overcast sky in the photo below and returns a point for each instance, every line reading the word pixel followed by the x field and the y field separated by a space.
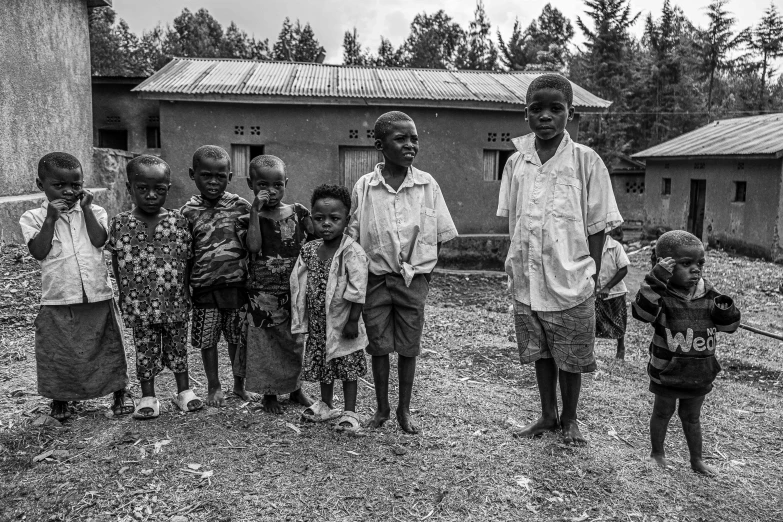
pixel 373 18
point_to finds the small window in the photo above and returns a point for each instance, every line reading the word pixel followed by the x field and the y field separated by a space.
pixel 666 165
pixel 494 163
pixel 153 137
pixel 667 186
pixel 241 155
pixel 740 166
pixel 698 166
pixel 113 139
pixel 740 190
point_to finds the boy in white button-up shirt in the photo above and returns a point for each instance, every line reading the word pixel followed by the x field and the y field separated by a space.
pixel 400 218
pixel 558 198
pixel 79 346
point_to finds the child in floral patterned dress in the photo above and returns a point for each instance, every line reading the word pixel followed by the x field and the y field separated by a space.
pixel 269 355
pixel 150 248
pixel 328 288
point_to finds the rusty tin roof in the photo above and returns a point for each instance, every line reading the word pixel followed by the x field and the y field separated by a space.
pixel 250 81
pixel 749 136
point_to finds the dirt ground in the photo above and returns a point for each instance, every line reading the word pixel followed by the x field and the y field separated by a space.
pixel 238 464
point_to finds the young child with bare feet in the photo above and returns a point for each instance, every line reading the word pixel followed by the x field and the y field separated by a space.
pixel 686 312
pixel 558 199
pixel 400 219
pixel 611 312
pixel 218 268
pixel 79 350
pixel 270 356
pixel 328 288
pixel 151 246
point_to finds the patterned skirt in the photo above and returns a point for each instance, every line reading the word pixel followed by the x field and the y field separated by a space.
pixel 611 316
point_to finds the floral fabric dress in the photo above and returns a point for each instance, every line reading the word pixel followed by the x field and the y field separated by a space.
pixel 316 369
pixel 270 356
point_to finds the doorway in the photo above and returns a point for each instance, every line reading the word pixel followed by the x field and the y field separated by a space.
pixel 696 207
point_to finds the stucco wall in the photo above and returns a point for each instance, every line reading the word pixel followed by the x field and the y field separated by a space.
pixel 115 100
pixel 44 88
pixel 308 140
pixel 630 203
pixel 746 226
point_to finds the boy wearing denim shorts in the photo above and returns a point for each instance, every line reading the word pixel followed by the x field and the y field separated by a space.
pixel 558 199
pixel 219 268
pixel 400 219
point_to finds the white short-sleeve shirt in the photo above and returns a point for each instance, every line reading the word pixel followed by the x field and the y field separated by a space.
pixel 613 259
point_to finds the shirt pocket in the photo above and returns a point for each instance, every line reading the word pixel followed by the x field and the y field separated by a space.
pixel 56 250
pixel 428 227
pixel 567 202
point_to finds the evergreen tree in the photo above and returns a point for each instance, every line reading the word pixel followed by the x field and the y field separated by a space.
pixel 113 47
pixel 298 44
pixel 237 44
pixel 514 54
pixel 477 51
pixel 353 54
pixel 543 46
pixel 767 41
pixel 717 43
pixel 433 41
pixel 194 35
pixel 388 56
pixel 285 46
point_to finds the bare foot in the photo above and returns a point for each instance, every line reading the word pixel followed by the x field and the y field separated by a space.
pixel 405 422
pixel 539 427
pixel 270 405
pixel 620 355
pixel 246 395
pixel 571 433
pixel 215 398
pixel 700 467
pixel 659 459
pixel 60 411
pixel 301 397
pixel 379 419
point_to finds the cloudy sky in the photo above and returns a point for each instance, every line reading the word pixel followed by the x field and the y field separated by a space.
pixel 373 18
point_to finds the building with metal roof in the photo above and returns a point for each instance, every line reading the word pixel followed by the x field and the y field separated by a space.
pixel 250 81
pixel 721 182
pixel 319 119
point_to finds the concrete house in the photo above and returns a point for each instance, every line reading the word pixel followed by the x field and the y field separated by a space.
pixel 319 119
pixel 721 182
pixel 45 98
pixel 120 120
pixel 628 184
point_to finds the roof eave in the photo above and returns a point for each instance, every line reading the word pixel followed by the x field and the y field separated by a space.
pixel 691 157
pixel 98 3
pixel 341 100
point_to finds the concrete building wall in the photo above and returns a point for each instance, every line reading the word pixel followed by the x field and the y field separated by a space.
pixel 115 107
pixel 747 226
pixel 629 194
pixel 45 88
pixel 308 139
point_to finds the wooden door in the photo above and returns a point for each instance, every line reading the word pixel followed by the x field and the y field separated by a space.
pixel 355 162
pixel 697 205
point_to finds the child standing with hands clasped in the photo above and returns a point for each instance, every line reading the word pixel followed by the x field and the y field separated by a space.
pixel 270 356
pixel 557 196
pixel 611 312
pixel 79 350
pixel 328 287
pixel 150 248
pixel 686 312
pixel 400 219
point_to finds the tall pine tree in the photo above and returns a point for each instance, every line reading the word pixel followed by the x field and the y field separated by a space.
pixel 353 54
pixel 433 41
pixel 767 42
pixel 477 50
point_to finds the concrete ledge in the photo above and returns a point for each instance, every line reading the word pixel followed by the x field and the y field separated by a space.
pixel 475 252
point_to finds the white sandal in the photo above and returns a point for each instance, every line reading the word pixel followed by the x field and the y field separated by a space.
pixel 151 403
pixel 353 419
pixel 183 399
pixel 320 412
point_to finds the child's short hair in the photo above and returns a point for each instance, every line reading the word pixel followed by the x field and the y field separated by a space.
pixel 383 125
pixel 211 152
pixel 266 161
pixel 551 81
pixel 669 243
pixel 338 192
pixel 58 160
pixel 138 163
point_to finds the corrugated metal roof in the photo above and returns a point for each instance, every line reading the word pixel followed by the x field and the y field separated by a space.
pixel 753 135
pixel 207 76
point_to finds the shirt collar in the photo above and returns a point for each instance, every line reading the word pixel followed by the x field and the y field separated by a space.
pixel 526 145
pixel 413 177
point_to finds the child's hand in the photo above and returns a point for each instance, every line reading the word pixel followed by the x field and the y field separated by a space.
pixel 55 207
pixel 603 293
pixel 667 263
pixel 261 199
pixel 351 330
pixel 85 198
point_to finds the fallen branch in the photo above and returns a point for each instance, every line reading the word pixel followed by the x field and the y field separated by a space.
pixel 753 329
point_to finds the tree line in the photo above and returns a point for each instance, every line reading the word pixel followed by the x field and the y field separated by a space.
pixel 675 77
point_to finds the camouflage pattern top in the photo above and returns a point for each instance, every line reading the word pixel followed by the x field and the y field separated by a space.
pixel 219 258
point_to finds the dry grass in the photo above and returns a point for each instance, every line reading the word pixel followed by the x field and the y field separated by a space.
pixel 465 465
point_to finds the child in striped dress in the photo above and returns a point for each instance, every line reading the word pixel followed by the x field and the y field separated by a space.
pixel 686 312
